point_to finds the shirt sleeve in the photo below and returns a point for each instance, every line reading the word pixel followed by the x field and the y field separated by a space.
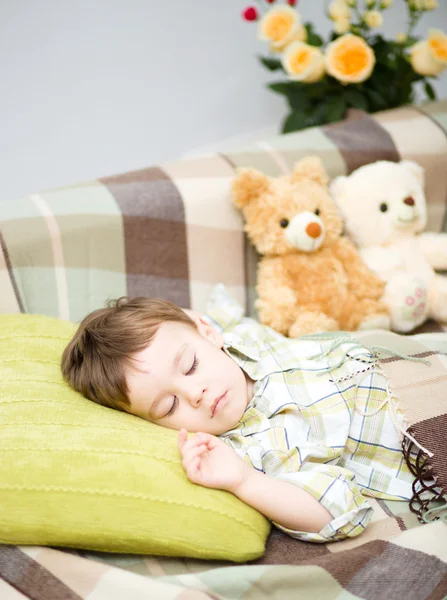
pixel 336 489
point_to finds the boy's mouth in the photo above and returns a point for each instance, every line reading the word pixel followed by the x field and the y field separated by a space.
pixel 218 404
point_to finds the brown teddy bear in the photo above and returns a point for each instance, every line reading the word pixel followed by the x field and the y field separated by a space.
pixel 310 278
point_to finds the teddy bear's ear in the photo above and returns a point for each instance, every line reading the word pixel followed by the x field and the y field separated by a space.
pixel 337 187
pixel 414 168
pixel 248 185
pixel 312 168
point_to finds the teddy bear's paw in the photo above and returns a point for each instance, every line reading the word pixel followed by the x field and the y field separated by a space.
pixel 273 317
pixel 407 301
pixel 381 321
pixel 312 322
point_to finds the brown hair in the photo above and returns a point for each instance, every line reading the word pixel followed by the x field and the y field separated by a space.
pixel 94 361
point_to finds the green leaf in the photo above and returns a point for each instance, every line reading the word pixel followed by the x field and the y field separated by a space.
pixel 295 92
pixel 355 99
pixel 295 121
pixel 335 108
pixel 282 87
pixel 429 90
pixel 313 38
pixel 378 102
pixel 272 64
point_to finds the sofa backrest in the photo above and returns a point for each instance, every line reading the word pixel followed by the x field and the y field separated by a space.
pixel 171 231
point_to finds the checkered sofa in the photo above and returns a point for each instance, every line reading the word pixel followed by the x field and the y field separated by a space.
pixel 171 231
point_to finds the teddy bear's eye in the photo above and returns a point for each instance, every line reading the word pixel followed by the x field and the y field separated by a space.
pixel 284 223
pixel 383 207
pixel 317 211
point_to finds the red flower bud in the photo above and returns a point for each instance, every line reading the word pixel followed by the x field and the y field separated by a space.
pixel 250 14
pixel 270 1
pixel 291 2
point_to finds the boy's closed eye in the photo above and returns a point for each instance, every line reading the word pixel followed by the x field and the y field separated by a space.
pixel 174 404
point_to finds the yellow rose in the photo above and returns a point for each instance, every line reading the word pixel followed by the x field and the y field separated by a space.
pixel 279 25
pixel 430 4
pixel 349 59
pixel 338 9
pixel 342 26
pixel 429 57
pixel 386 3
pixel 437 41
pixel 373 18
pixel 303 62
pixel 300 36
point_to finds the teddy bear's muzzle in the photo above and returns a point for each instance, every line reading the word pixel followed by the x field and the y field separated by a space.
pixel 305 232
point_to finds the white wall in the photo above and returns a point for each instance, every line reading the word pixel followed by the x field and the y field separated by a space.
pixel 94 87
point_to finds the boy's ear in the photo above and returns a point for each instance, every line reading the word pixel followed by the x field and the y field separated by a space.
pixel 208 332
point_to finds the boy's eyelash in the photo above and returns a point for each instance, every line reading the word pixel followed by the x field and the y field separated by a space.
pixel 194 366
pixel 173 407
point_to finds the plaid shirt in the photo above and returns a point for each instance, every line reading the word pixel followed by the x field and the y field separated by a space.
pixel 318 419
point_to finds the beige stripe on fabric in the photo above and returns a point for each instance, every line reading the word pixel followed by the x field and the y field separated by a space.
pixel 418 138
pixel 207 202
pixel 118 584
pixel 431 539
pixel 209 166
pixel 77 573
pixel 419 388
pixel 9 593
pixel 216 255
pixel 276 156
pixel 58 255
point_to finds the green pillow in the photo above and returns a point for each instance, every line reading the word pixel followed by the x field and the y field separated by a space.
pixel 76 474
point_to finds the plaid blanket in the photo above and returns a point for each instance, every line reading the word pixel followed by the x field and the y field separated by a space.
pixel 172 231
pixel 396 557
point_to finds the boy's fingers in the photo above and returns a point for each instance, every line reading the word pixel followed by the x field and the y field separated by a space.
pixel 182 437
pixel 193 471
pixel 193 453
pixel 210 440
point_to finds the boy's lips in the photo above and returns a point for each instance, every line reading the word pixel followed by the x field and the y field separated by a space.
pixel 218 404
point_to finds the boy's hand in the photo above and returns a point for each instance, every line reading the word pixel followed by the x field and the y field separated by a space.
pixel 208 461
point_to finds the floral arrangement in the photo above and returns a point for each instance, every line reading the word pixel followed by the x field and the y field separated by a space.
pixel 356 68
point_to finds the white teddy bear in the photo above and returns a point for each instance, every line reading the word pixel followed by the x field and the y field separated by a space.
pixel 384 208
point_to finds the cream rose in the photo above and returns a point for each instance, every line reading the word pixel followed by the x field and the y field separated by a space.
pixel 373 18
pixel 430 4
pixel 338 9
pixel 303 62
pixel 279 26
pixel 429 57
pixel 342 26
pixel 300 36
pixel 349 59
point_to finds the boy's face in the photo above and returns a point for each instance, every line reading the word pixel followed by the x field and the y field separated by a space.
pixel 185 380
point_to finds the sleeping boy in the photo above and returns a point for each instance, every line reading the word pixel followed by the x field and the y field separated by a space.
pixel 300 429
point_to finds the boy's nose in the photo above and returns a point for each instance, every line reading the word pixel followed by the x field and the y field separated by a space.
pixel 196 397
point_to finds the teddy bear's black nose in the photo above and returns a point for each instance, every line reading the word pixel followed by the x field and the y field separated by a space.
pixel 409 201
